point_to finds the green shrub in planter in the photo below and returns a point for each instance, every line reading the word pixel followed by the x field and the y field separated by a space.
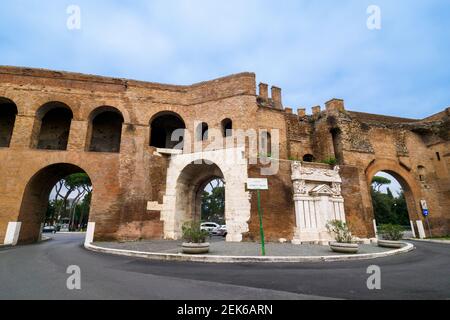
pixel 192 232
pixel 340 231
pixel 391 232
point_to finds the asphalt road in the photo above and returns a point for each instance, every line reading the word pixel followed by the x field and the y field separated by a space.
pixel 39 272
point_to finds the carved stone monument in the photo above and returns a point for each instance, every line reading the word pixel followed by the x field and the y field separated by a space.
pixel 318 200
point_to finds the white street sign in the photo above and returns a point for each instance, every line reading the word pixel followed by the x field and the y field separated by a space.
pixel 424 204
pixel 257 184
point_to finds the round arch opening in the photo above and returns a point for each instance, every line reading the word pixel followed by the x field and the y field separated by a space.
pixel 46 203
pixel 105 130
pixel 393 200
pixel 194 190
pixel 167 131
pixel 53 121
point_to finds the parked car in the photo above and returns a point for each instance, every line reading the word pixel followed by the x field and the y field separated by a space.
pixel 49 229
pixel 211 227
pixel 222 231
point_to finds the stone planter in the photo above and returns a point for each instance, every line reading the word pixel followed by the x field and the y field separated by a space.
pixel 349 248
pixel 390 244
pixel 195 248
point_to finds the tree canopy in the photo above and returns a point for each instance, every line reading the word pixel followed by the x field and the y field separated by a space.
pixel 388 209
pixel 213 203
pixel 378 182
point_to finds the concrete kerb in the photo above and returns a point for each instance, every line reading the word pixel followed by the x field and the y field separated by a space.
pixel 431 241
pixel 242 259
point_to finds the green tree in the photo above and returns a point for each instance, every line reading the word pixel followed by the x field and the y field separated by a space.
pixel 213 205
pixel 388 209
pixel 378 182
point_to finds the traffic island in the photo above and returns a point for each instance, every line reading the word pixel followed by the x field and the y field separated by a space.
pixel 225 252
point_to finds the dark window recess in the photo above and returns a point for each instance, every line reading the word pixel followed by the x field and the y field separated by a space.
pixel 55 128
pixel 202 132
pixel 8 112
pixel 162 132
pixel 438 155
pixel 106 132
pixel 227 127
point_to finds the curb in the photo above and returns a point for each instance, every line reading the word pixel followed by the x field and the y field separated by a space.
pixel 431 241
pixel 45 239
pixel 242 259
pixel 70 232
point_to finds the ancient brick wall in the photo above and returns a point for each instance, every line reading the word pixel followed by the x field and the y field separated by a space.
pixel 126 178
pixel 129 173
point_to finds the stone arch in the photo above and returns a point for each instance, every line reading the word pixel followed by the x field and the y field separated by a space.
pixel 8 114
pixel 193 170
pixel 105 130
pixel 52 126
pixel 35 198
pixel 406 180
pixel 190 184
pixel 162 126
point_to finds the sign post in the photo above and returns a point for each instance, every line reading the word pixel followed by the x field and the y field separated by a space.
pixel 258 185
pixel 426 213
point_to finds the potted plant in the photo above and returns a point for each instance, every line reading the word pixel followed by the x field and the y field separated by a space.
pixel 344 240
pixel 391 235
pixel 195 238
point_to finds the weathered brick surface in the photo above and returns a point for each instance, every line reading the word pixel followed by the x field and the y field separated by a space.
pixel 123 182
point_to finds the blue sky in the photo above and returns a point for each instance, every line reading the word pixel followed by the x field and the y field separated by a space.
pixel 314 49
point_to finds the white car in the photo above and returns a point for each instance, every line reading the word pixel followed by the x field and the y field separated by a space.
pixel 222 231
pixel 211 227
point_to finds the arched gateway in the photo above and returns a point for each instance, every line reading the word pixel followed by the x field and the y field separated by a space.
pixel 28 227
pixel 187 174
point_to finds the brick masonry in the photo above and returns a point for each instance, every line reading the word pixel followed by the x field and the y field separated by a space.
pixel 125 180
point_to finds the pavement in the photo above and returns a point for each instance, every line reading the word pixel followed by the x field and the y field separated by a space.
pixel 39 272
pixel 219 247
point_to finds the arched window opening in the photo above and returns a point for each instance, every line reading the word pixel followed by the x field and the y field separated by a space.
pixel 422 173
pixel 106 130
pixel 202 132
pixel 167 131
pixel 54 128
pixel 308 158
pixel 227 128
pixel 8 113
pixel 265 148
pixel 337 144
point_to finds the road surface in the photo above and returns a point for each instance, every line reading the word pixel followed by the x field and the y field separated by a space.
pixel 39 272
